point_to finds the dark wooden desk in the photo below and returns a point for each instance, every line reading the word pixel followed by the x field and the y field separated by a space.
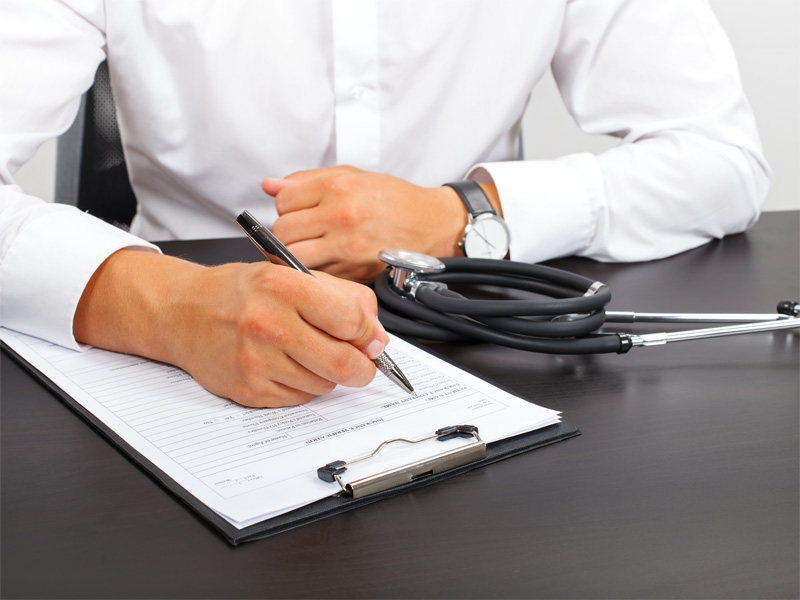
pixel 683 484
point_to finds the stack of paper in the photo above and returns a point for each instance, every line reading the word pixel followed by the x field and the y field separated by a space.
pixel 251 464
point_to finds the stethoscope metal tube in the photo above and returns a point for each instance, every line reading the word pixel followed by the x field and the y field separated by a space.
pixel 658 339
pixel 613 316
pixel 416 301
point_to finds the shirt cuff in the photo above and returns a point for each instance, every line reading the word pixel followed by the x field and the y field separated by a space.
pixel 551 207
pixel 47 267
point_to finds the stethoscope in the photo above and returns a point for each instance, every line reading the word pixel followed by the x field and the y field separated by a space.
pixel 564 317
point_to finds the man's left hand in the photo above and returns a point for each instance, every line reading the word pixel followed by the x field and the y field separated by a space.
pixel 338 219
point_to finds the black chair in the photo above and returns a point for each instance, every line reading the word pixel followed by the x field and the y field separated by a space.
pixel 90 166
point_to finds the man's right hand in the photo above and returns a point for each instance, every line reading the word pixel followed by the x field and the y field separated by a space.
pixel 259 334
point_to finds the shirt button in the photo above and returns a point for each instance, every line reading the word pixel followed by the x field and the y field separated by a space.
pixel 356 92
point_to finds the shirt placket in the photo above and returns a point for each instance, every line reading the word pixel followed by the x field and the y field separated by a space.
pixel 355 80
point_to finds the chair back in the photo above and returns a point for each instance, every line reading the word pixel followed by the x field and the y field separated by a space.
pixel 90 165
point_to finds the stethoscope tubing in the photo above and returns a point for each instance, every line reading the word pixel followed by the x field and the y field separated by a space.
pixel 568 323
pixel 427 323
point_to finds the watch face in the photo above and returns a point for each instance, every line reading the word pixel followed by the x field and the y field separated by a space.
pixel 486 237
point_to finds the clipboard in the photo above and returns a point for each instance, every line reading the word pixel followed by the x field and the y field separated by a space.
pixel 339 501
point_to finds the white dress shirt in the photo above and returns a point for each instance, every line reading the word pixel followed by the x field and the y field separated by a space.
pixel 214 96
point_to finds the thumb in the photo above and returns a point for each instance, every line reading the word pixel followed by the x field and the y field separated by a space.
pixel 273 186
pixel 371 338
pixel 374 339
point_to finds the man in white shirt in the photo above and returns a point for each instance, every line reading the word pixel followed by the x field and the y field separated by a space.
pixel 351 114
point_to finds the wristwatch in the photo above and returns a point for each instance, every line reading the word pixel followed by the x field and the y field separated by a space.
pixel 486 235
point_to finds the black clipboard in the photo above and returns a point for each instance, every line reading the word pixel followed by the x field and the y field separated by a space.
pixel 315 511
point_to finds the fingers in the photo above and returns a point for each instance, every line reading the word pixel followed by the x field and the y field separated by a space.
pixel 295 195
pixel 336 325
pixel 341 221
pixel 267 335
pixel 273 186
pixel 312 364
pixel 266 392
pixel 332 361
pixel 301 225
pixel 314 237
pixel 346 313
pixel 288 384
pixel 373 338
pixel 292 201
pixel 305 189
pixel 373 343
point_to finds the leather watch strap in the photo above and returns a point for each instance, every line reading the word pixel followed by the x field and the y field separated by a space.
pixel 473 196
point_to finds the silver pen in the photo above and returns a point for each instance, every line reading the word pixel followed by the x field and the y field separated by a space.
pixel 276 252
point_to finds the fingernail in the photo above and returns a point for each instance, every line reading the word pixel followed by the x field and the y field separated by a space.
pixel 374 349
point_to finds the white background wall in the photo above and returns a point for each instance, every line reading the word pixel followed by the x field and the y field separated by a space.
pixel 766 38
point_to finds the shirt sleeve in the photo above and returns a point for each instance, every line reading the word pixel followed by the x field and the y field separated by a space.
pixel 663 78
pixel 49 52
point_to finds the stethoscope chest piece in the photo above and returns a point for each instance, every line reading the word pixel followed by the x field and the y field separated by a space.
pixel 406 267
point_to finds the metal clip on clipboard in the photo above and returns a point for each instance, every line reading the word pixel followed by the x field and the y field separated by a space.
pixel 432 465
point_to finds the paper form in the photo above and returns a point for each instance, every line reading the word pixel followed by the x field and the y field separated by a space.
pixel 249 464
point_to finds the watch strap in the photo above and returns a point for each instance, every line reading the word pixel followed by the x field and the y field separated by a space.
pixel 473 196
